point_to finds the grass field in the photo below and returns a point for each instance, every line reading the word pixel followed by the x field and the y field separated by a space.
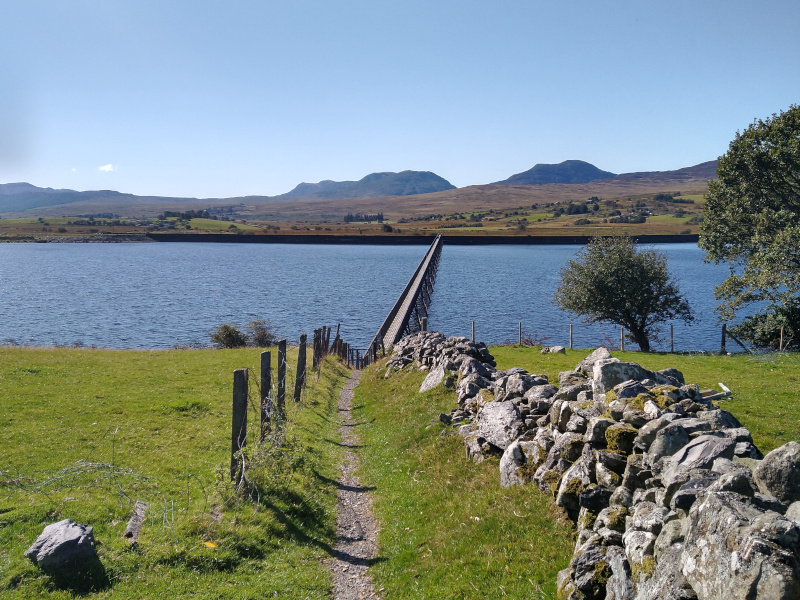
pixel 87 432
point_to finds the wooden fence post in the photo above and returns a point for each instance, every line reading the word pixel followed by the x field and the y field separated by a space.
pixel 780 344
pixel 473 331
pixel 724 332
pixel 424 323
pixel 622 339
pixel 239 421
pixel 315 350
pixel 570 335
pixel 300 378
pixel 671 339
pixel 520 333
pixel 282 377
pixel 266 392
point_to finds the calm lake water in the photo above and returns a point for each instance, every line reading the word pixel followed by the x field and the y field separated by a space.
pixel 158 295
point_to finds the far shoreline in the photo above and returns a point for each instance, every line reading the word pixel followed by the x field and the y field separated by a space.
pixel 405 240
pixel 355 240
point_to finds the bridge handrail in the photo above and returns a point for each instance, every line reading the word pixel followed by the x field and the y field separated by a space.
pixel 387 322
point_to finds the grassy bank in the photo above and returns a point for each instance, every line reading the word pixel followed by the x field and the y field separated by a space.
pixel 87 432
pixel 448 530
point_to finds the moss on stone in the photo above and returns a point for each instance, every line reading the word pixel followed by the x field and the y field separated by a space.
pixel 644 570
pixel 572 448
pixel 616 437
pixel 552 479
pixel 616 517
pixel 574 486
pixel 527 470
pixel 586 519
pixel 665 389
pixel 611 395
pixel 542 453
pixel 639 401
pixel 485 396
pixel 602 573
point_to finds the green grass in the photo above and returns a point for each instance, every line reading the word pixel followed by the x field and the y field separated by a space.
pixel 448 530
pixel 765 387
pixel 220 226
pixel 87 432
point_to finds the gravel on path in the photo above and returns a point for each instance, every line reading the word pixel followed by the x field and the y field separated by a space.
pixel 357 532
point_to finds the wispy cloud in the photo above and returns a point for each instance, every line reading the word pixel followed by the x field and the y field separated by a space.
pixel 106 168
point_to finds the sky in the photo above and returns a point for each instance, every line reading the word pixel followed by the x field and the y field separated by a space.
pixel 212 99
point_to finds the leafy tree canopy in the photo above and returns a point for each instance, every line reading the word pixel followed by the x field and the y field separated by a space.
pixel 611 280
pixel 752 221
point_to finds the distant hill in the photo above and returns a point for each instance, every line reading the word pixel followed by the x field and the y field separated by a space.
pixel 422 192
pixel 569 171
pixel 17 197
pixel 405 183
pixel 706 170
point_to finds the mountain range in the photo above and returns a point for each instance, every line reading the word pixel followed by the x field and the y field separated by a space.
pixel 16 198
pixel 405 183
pixel 569 171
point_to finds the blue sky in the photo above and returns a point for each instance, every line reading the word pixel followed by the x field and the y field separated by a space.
pixel 219 99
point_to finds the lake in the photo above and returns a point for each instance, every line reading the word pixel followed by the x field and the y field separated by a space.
pixel 159 295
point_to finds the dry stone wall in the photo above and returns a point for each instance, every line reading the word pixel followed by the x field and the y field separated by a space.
pixel 670 497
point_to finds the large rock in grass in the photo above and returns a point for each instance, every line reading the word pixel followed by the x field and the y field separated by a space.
pixel 434 378
pixel 63 544
pixel 778 474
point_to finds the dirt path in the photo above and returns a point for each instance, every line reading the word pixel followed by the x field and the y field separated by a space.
pixel 356 535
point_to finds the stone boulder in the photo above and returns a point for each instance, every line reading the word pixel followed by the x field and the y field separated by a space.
pixel 586 366
pixel 518 463
pixel 433 379
pixel 63 544
pixel 734 550
pixel 778 474
pixel 700 453
pixel 499 423
pixel 612 371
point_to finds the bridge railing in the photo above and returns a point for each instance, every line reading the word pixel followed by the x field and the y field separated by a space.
pixel 410 301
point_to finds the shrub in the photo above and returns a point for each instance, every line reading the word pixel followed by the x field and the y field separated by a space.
pixel 226 335
pixel 261 334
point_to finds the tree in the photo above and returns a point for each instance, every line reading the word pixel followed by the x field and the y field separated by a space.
pixel 752 222
pixel 611 281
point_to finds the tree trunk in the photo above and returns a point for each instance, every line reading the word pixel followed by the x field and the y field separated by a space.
pixel 639 336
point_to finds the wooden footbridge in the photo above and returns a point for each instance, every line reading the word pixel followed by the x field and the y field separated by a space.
pixel 411 307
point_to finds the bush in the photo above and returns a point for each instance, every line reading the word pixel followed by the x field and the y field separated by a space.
pixel 227 336
pixel 261 334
